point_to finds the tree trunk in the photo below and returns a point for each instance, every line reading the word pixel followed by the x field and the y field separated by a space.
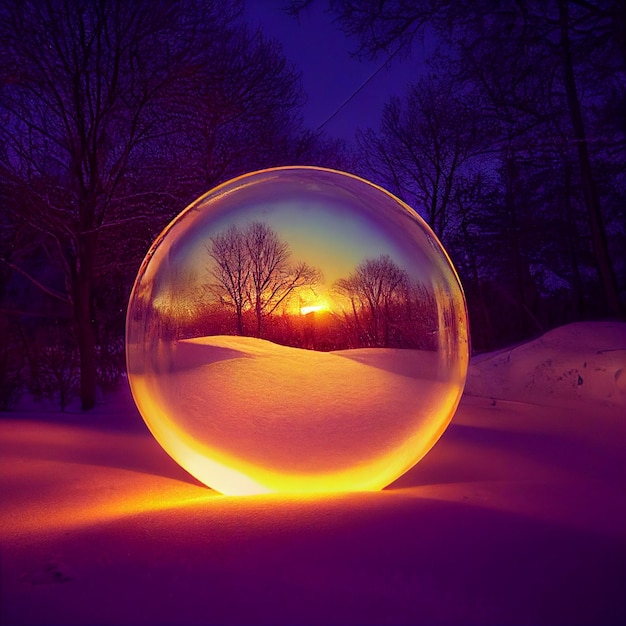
pixel 590 192
pixel 83 319
pixel 239 322
pixel 357 325
pixel 518 294
pixel 572 240
pixel 259 315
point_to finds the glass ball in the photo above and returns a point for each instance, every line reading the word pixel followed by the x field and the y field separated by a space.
pixel 297 329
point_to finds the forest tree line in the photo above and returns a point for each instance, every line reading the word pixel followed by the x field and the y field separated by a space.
pixel 117 114
pixel 252 286
pixel 513 148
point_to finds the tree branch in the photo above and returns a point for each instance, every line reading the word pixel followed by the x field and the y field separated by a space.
pixel 33 280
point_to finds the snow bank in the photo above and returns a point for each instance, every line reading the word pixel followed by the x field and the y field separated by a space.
pixel 581 362
pixel 516 516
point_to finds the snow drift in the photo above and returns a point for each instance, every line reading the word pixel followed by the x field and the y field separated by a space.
pixel 516 516
pixel 582 362
pixel 245 415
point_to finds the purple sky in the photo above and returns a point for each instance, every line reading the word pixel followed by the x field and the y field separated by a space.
pixel 330 74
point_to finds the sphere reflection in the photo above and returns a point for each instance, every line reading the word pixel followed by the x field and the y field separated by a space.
pixel 297 329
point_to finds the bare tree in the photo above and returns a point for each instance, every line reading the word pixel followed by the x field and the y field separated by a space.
pixel 378 291
pixel 588 179
pixel 273 277
pixel 83 90
pixel 252 270
pixel 231 271
pixel 115 114
pixel 540 67
pixel 427 147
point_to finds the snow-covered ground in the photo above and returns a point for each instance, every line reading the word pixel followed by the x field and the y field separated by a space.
pixel 517 515
pixel 574 364
pixel 277 418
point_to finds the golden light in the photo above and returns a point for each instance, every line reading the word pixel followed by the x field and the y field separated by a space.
pixel 313 308
pixel 250 395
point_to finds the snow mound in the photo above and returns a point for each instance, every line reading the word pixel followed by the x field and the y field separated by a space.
pixel 205 350
pixel 279 418
pixel 585 361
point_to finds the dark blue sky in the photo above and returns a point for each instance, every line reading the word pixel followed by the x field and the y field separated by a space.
pixel 330 74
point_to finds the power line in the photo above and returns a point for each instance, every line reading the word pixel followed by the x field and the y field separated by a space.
pixel 358 89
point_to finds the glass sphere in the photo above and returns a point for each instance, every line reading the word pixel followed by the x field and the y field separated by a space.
pixel 297 329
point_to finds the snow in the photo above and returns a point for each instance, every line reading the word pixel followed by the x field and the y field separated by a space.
pixel 277 418
pixel 517 515
pixel 582 362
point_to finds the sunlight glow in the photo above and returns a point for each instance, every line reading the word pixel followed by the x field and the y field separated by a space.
pixel 312 308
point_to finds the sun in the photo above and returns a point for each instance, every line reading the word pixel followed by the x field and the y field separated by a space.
pixel 312 308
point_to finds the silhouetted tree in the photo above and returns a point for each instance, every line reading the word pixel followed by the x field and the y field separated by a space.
pixel 245 114
pixel 114 115
pixel 547 77
pixel 84 88
pixel 588 179
pixel 231 271
pixel 427 149
pixel 378 292
pixel 252 270
pixel 273 278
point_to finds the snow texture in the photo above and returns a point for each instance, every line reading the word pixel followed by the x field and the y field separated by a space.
pixel 277 418
pixel 582 362
pixel 516 516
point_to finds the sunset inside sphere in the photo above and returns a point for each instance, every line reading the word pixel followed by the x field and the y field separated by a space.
pixel 297 329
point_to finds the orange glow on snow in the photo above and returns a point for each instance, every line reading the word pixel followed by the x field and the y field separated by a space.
pixel 225 424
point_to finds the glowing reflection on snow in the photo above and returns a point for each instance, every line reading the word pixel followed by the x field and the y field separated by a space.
pixel 297 329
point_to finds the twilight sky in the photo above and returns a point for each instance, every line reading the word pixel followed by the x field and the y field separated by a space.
pixel 330 75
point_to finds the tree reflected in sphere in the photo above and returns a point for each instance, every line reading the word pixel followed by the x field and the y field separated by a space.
pixel 297 329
